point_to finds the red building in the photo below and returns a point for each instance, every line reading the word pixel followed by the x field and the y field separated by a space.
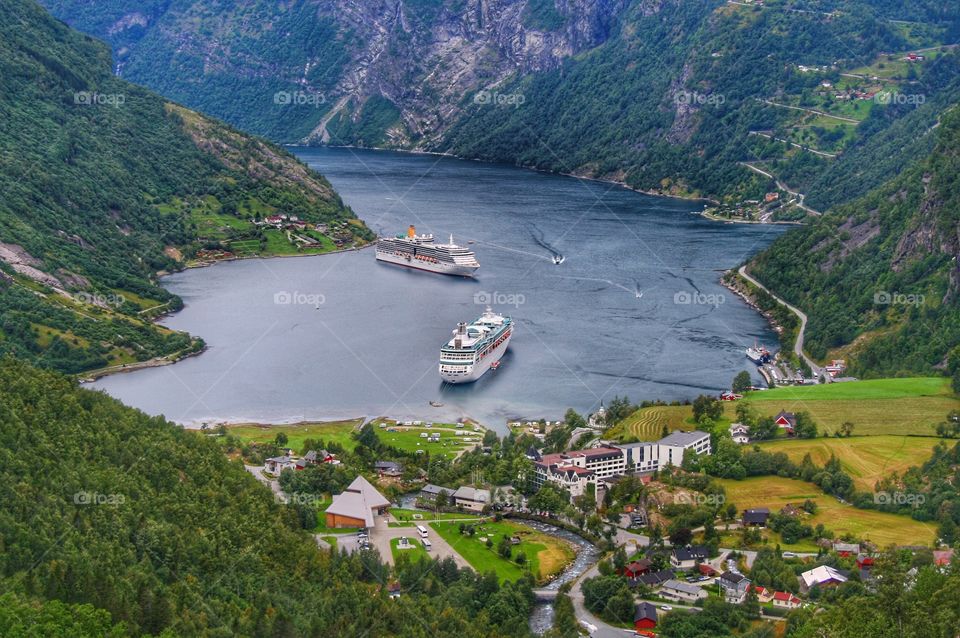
pixel 645 616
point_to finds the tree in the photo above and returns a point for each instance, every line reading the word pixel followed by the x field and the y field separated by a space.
pixel 521 558
pixel 280 439
pixel 846 428
pixel 573 420
pixel 565 623
pixel 742 382
pixel 805 427
pixel 681 536
pixel 504 548
pixel 707 406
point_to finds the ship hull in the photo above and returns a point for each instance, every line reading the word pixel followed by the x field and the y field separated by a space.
pixel 478 369
pixel 443 268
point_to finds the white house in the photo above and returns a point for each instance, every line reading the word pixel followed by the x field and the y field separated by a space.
pixel 682 592
pixel 280 463
pixel 740 433
pixel 823 576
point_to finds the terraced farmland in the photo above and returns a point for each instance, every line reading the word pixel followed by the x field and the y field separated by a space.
pixel 646 424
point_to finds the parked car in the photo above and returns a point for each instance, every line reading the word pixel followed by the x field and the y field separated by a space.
pixel 666 607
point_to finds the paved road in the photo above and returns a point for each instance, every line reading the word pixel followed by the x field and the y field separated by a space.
pixel 797 194
pixel 798 345
pixel 794 144
pixel 382 534
pixel 273 484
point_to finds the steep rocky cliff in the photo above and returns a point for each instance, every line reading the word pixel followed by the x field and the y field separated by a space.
pixel 305 70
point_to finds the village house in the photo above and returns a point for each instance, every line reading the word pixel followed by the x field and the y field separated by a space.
pixel 942 557
pixel 430 492
pixel 279 463
pixel 822 576
pixel 756 517
pixel 356 506
pixel 786 421
pixel 471 499
pixel 317 457
pixel 740 433
pixel 846 550
pixel 637 568
pixel 686 558
pixel 785 600
pixel 764 595
pixel 734 587
pixel 644 616
pixel 388 468
pixel 682 592
pixel 655 579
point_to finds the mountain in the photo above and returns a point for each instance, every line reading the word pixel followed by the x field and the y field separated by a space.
pixel 666 95
pixel 104 183
pixel 879 277
pixel 115 523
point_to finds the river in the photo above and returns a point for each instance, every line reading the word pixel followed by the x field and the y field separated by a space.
pixel 635 309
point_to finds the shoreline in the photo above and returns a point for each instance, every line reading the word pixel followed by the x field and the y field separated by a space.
pixel 724 220
pixel 600 180
pixel 170 359
pixel 207 264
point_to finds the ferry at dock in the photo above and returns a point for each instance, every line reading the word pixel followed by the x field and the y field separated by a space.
pixel 475 348
pixel 759 355
pixel 423 253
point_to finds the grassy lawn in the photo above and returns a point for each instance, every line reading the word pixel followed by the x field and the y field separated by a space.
pixel 870 389
pixel 546 555
pixel 408 439
pixel 415 552
pixel 338 431
pixel 866 459
pixel 880 406
pixel 409 516
pixel 330 540
pixel 879 527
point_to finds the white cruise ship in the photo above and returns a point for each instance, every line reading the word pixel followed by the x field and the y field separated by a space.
pixel 420 251
pixel 475 348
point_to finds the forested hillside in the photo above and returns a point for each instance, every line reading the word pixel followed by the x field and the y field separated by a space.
pixel 116 523
pixel 103 184
pixel 666 95
pixel 879 277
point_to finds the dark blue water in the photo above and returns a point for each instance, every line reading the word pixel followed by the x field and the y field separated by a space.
pixel 635 309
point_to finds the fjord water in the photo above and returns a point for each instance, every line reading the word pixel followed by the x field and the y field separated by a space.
pixel 635 309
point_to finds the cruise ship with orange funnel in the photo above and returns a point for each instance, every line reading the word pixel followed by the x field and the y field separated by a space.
pixel 421 252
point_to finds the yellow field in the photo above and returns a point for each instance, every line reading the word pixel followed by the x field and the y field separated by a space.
pixel 878 527
pixel 866 459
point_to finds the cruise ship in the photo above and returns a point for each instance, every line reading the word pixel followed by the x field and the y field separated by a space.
pixel 420 252
pixel 475 348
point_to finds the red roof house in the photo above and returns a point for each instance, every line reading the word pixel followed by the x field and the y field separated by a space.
pixel 785 600
pixel 787 421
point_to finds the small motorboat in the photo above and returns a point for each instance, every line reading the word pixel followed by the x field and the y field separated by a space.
pixel 494 365
pixel 436 404
pixel 558 259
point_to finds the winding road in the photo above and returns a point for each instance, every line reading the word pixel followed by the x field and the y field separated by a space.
pixel 798 344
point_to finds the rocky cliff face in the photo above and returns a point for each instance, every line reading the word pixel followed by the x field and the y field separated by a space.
pixel 305 70
pixel 427 65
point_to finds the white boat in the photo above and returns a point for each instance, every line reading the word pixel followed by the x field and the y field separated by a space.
pixel 421 252
pixel 474 348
